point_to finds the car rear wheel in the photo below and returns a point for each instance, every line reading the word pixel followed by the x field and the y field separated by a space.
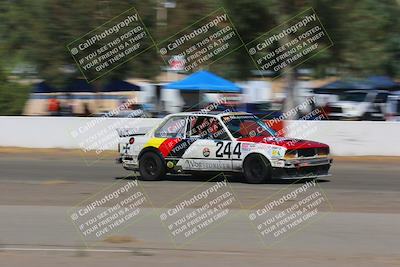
pixel 151 166
pixel 257 169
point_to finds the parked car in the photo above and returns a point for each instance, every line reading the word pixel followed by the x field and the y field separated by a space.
pixel 393 107
pixel 359 105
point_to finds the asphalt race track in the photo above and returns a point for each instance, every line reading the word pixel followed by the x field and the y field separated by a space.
pixel 359 227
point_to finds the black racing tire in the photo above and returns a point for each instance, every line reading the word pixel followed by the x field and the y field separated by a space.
pixel 366 117
pixel 257 169
pixel 151 166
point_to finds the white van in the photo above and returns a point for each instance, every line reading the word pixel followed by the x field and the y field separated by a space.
pixel 359 105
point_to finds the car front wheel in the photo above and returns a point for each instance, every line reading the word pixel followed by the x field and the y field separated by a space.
pixel 257 169
pixel 151 166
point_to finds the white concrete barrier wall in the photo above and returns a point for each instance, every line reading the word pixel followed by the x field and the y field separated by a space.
pixel 344 137
pixel 351 138
pixel 66 132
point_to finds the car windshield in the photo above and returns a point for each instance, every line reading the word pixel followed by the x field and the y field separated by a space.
pixel 353 96
pixel 247 126
pixel 262 107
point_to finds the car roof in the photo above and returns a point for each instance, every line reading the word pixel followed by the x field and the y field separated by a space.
pixel 210 114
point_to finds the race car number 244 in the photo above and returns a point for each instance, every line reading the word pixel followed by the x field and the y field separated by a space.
pixel 224 149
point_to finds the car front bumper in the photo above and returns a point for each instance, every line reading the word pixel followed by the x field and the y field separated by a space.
pixel 301 168
pixel 301 162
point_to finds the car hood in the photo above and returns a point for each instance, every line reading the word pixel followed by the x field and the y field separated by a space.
pixel 289 143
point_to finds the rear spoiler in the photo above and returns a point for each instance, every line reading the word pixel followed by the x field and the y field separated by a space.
pixel 128 132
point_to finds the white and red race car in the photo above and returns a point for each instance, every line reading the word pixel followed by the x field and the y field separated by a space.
pixel 225 142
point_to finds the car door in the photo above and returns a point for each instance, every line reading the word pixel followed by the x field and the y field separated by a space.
pixel 210 148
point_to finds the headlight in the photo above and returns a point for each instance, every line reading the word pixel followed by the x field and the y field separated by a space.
pixel 352 109
pixel 323 151
pixel 291 154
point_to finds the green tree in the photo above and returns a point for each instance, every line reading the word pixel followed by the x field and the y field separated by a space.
pixel 43 28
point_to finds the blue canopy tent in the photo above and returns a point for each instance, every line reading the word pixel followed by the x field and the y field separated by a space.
pixel 372 82
pixel 192 87
pixel 43 88
pixel 79 86
pixel 346 85
pixel 119 90
pixel 383 82
pixel 204 81
pixel 120 86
